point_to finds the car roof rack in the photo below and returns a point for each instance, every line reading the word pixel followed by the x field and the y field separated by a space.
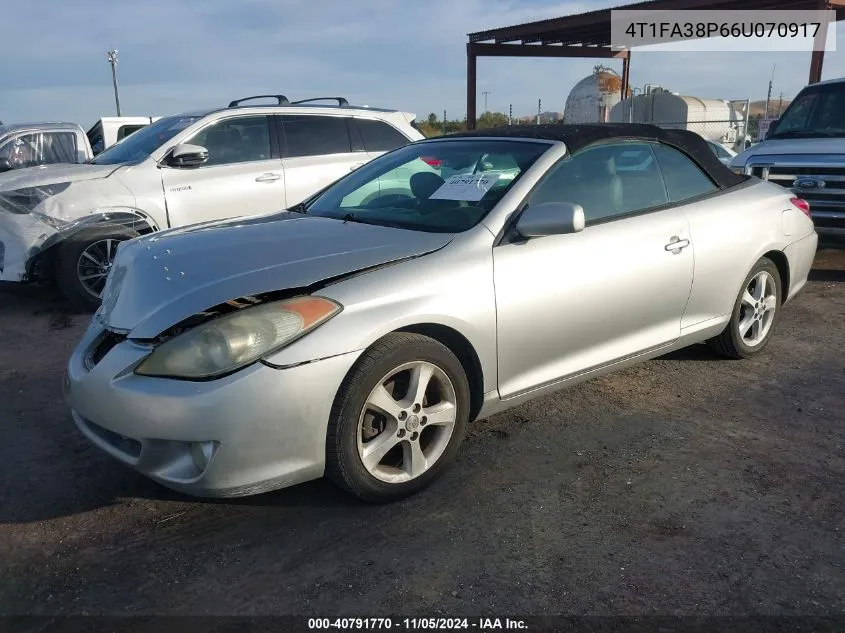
pixel 280 100
pixel 340 101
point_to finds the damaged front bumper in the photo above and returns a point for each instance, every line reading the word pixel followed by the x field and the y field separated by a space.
pixel 33 221
pixel 22 238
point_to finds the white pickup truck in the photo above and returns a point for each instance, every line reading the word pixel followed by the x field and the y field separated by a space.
pixel 110 130
pixel 33 144
pixel 805 151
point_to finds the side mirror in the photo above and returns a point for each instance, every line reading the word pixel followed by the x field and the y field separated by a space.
pixel 187 155
pixel 551 218
pixel 5 165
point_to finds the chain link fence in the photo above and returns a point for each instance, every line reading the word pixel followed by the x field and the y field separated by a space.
pixel 727 133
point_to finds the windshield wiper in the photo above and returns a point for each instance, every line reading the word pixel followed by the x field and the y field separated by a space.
pixel 299 208
pixel 351 217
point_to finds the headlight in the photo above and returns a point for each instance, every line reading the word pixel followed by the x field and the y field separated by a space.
pixel 22 201
pixel 233 341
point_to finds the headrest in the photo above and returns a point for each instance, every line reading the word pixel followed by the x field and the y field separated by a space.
pixel 597 163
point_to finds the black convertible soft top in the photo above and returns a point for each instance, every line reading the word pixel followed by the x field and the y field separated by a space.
pixel 577 137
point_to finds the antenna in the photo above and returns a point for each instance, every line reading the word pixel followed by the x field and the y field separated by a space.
pixel 769 95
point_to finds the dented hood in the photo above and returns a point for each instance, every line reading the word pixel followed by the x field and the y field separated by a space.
pixel 162 279
pixel 52 174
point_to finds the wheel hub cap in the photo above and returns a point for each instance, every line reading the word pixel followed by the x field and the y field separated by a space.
pixel 407 422
pixel 757 309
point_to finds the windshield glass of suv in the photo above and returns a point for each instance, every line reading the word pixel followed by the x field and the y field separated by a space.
pixel 817 111
pixel 440 186
pixel 145 141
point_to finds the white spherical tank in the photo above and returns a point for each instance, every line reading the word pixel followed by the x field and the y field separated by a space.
pixel 593 97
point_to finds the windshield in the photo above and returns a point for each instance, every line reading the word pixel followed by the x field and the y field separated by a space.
pixel 439 186
pixel 145 141
pixel 817 111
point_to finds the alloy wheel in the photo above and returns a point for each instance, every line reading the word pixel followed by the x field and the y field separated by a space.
pixel 94 265
pixel 407 422
pixel 757 309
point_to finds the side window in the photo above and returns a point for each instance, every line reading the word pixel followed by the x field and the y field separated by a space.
pixel 683 178
pixel 606 180
pixel 379 136
pixel 126 130
pixel 23 151
pixel 307 135
pixel 59 147
pixel 97 143
pixel 238 140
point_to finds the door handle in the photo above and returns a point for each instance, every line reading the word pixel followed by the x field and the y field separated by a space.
pixel 356 166
pixel 269 177
pixel 676 244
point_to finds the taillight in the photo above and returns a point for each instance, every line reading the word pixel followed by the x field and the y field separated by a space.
pixel 802 205
pixel 431 161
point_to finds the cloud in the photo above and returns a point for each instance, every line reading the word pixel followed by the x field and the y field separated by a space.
pixel 408 55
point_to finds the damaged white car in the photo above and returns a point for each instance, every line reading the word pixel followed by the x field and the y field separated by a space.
pixel 64 222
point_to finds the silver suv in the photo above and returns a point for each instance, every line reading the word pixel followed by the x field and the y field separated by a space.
pixel 65 221
pixel 805 151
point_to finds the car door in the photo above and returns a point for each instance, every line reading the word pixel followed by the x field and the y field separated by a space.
pixel 570 303
pixel 316 151
pixel 243 174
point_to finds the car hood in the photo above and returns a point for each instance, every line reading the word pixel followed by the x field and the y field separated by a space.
pixel 52 174
pixel 792 146
pixel 159 280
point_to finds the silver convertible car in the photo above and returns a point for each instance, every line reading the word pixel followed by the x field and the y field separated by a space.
pixel 357 334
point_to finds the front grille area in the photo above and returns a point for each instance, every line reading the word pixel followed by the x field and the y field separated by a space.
pixel 826 198
pixel 107 341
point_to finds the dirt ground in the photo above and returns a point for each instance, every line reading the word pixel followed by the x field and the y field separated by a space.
pixel 686 485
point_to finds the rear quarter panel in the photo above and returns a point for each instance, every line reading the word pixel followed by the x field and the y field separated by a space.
pixel 730 232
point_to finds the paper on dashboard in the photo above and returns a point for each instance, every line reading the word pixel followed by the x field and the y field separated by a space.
pixel 469 187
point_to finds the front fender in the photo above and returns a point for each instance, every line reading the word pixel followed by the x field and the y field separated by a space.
pixel 452 287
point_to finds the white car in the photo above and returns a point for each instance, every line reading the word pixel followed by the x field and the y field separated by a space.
pixel 65 221
pixel 724 154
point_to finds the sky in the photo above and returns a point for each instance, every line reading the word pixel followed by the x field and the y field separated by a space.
pixel 177 55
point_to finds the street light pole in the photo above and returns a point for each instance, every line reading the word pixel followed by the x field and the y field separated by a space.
pixel 485 93
pixel 112 57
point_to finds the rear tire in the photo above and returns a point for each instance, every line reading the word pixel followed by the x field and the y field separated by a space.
pixel 398 419
pixel 83 261
pixel 755 314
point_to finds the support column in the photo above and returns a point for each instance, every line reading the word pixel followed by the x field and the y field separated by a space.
pixel 471 87
pixel 817 58
pixel 626 74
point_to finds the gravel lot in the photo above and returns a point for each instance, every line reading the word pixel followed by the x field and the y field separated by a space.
pixel 687 485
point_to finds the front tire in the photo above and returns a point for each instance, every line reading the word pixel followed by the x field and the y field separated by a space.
pixel 755 314
pixel 399 418
pixel 83 261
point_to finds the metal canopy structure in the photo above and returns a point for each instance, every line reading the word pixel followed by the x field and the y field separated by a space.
pixel 588 35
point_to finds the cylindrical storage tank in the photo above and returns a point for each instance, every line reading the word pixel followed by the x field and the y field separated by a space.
pixel 711 118
pixel 592 98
